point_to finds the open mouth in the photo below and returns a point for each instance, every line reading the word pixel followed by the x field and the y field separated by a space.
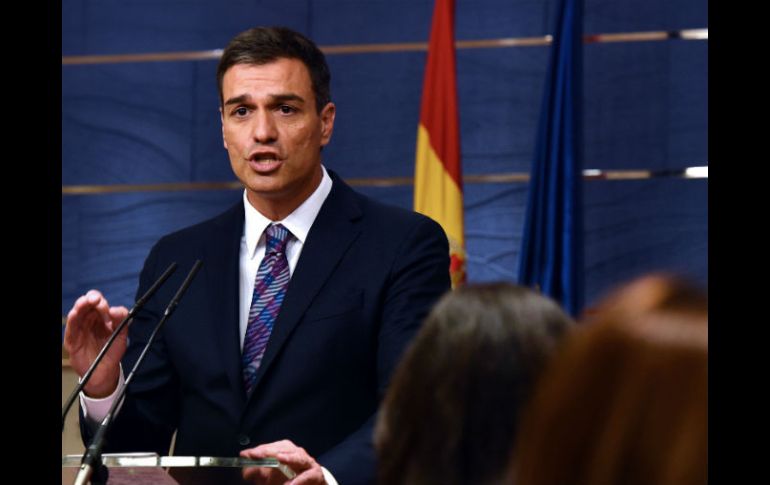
pixel 265 163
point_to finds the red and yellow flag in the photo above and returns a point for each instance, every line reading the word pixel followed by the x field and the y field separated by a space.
pixel 438 188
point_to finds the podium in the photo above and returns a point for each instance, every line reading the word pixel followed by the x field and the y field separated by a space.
pixel 149 468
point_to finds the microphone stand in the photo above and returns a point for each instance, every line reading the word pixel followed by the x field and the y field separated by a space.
pixel 91 463
pixel 137 306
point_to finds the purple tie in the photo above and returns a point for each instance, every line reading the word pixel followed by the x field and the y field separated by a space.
pixel 269 290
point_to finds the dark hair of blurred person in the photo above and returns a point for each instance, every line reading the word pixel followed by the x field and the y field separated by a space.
pixel 450 413
pixel 625 400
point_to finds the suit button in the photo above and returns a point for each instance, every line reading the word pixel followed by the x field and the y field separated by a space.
pixel 243 440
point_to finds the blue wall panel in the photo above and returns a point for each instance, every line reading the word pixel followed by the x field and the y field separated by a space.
pixel 378 107
pixel 209 157
pixel 645 105
pixel 500 94
pixel 375 21
pixel 124 27
pixel 105 238
pixel 494 220
pixel 626 105
pixel 688 104
pixel 126 123
pixel 605 16
pixel 639 226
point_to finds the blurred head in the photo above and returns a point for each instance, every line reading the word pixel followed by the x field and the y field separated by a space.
pixel 449 416
pixel 625 400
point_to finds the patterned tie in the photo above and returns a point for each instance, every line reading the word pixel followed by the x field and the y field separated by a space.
pixel 269 290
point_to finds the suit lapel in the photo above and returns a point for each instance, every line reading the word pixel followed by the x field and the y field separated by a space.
pixel 223 269
pixel 332 233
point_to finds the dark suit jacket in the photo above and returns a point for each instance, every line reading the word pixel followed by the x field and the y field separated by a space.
pixel 367 276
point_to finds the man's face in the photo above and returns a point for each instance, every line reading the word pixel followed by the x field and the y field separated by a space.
pixel 273 133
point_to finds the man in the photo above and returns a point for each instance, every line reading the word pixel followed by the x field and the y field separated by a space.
pixel 342 283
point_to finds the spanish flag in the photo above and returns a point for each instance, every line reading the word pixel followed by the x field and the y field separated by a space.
pixel 438 188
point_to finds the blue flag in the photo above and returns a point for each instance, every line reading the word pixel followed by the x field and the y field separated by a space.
pixel 552 244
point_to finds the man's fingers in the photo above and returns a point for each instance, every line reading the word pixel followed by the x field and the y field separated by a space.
pixel 296 460
pixel 81 301
pixel 307 469
pixel 255 474
pixel 89 308
pixel 80 320
pixel 117 314
pixel 103 308
pixel 312 476
pixel 97 301
pixel 93 311
pixel 89 323
pixel 270 449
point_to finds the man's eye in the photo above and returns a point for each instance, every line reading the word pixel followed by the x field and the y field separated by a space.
pixel 241 111
pixel 286 109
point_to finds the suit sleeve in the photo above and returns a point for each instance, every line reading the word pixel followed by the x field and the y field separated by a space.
pixel 148 418
pixel 419 276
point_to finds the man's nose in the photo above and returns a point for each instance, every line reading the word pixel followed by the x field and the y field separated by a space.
pixel 264 129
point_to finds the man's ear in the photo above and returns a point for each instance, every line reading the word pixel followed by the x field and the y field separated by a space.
pixel 327 122
pixel 222 119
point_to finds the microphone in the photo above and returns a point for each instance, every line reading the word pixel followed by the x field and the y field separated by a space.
pixel 137 306
pixel 92 457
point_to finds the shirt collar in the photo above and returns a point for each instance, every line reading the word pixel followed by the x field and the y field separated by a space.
pixel 298 222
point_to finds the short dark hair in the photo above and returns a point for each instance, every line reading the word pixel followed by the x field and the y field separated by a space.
pixel 450 414
pixel 262 45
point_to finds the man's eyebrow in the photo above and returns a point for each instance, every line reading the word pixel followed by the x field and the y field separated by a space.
pixel 238 99
pixel 275 98
pixel 281 98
